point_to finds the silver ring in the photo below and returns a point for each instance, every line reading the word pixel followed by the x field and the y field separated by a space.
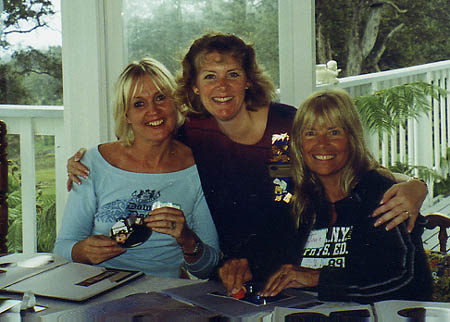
pixel 407 212
pixel 173 225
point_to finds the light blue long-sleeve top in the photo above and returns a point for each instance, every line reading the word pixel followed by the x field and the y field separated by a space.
pixel 109 194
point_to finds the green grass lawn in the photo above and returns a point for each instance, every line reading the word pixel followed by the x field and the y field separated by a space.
pixel 45 160
pixel 45 179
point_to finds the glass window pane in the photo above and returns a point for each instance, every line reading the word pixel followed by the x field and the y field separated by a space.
pixel 30 53
pixel 164 29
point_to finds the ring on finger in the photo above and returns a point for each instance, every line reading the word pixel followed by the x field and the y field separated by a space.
pixel 173 225
pixel 407 213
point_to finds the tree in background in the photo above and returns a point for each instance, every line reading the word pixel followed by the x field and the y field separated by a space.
pixel 11 89
pixel 165 29
pixel 424 38
pixel 371 35
pixel 20 11
pixel 29 76
pixel 42 72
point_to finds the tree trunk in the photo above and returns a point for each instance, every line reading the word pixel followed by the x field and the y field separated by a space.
pixel 374 58
pixel 364 33
pixel 370 33
pixel 354 52
pixel 323 45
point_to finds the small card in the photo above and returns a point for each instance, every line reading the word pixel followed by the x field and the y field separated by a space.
pixel 160 204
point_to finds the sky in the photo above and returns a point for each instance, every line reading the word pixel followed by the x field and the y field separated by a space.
pixel 41 38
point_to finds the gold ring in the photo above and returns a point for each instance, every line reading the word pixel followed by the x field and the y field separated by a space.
pixel 173 225
pixel 407 212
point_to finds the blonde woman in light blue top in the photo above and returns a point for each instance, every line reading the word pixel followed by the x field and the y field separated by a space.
pixel 144 166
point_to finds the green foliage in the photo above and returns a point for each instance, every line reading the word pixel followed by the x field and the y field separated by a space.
pixel 14 238
pixel 11 89
pixel 17 12
pixel 46 223
pixel 43 71
pixel 32 77
pixel 423 39
pixel 40 62
pixel 387 109
pixel 441 185
pixel 423 172
pixel 45 209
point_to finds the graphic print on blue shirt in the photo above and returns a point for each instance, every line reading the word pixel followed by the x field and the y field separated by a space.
pixel 139 205
pixel 327 247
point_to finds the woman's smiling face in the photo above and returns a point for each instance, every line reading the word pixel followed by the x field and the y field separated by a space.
pixel 151 113
pixel 326 149
pixel 221 83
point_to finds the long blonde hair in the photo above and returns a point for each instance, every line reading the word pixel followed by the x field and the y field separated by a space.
pixel 331 106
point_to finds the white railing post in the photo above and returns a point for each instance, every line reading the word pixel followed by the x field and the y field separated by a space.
pixel 384 150
pixel 60 174
pixel 394 147
pixel 424 137
pixel 411 142
pixel 402 144
pixel 28 178
pixel 436 138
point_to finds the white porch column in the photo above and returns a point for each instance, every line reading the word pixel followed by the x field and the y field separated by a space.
pixel 92 55
pixel 28 175
pixel 297 50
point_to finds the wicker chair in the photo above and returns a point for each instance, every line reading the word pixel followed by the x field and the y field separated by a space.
pixel 3 190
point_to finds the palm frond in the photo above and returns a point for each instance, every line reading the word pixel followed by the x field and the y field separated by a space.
pixel 423 172
pixel 387 109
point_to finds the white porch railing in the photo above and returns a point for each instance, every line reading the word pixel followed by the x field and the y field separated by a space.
pixel 28 121
pixel 424 142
